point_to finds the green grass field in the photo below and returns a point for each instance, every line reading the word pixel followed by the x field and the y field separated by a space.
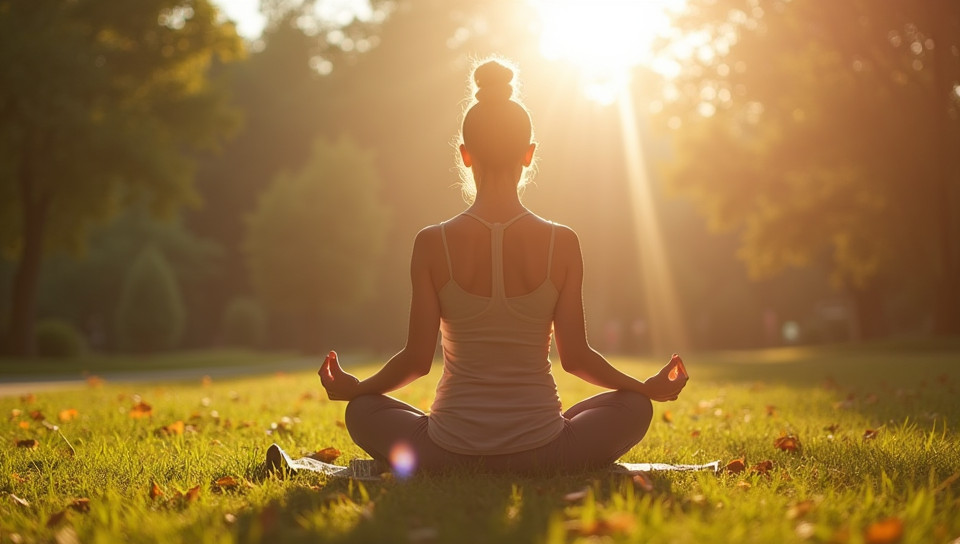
pixel 878 460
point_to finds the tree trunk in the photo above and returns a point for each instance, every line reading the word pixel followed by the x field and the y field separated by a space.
pixel 34 209
pixel 946 72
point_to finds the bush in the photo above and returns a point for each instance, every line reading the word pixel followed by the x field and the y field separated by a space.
pixel 150 316
pixel 244 323
pixel 57 338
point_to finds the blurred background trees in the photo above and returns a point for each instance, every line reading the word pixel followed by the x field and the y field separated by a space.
pixel 804 159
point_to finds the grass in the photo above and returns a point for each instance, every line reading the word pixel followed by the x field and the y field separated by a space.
pixel 105 363
pixel 901 485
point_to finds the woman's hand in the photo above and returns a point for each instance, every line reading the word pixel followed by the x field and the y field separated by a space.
pixel 339 384
pixel 667 384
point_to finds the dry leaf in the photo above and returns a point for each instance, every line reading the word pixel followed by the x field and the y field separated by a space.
pixel 24 424
pixel 771 410
pixel 227 482
pixel 763 467
pixel 80 505
pixel 67 415
pixel 155 490
pixel 642 480
pixel 37 415
pixel 799 509
pixel 667 416
pixel 787 442
pixel 340 424
pixel 56 518
pixel 735 466
pixel 28 398
pixel 743 484
pixel 29 443
pixel 18 500
pixel 326 455
pixel 141 409
pixel 192 494
pixel 870 434
pixel 832 428
pixel 887 531
pixel 694 434
pixel 175 428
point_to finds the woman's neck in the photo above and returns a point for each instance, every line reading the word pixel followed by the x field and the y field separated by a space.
pixel 497 198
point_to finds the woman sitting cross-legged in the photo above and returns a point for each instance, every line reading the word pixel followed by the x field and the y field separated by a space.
pixel 498 282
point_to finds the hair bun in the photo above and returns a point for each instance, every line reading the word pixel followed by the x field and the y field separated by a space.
pixel 493 80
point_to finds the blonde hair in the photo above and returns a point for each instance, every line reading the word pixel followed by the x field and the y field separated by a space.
pixel 496 127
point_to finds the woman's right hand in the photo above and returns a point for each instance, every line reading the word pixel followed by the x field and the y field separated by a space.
pixel 660 387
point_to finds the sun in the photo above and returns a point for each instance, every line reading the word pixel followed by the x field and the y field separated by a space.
pixel 603 39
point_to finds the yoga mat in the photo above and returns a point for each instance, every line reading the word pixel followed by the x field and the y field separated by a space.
pixel 369 470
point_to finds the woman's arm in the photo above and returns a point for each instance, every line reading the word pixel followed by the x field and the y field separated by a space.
pixel 415 359
pixel 576 355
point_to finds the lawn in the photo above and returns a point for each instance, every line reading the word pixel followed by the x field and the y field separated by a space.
pixel 870 452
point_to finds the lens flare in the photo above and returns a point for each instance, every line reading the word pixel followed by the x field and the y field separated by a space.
pixel 403 460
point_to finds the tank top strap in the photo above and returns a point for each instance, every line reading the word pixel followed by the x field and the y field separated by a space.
pixel 553 235
pixel 446 251
pixel 490 225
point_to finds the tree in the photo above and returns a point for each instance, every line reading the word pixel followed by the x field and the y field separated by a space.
pixel 102 104
pixel 828 132
pixel 150 316
pixel 313 241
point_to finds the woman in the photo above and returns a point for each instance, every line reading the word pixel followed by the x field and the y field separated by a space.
pixel 496 281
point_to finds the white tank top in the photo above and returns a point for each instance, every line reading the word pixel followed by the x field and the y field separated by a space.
pixel 496 394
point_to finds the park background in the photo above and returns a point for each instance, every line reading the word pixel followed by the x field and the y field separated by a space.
pixel 762 173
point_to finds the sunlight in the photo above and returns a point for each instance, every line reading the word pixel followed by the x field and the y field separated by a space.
pixel 604 39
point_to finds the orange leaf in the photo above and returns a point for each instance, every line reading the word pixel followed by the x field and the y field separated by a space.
pixel 326 455
pixel 887 531
pixel 37 415
pixel 192 494
pixel 80 505
pixel 694 434
pixel 667 416
pixel 771 410
pixel 24 424
pixel 174 428
pixel 29 443
pixel 787 443
pixel 155 490
pixel 763 467
pixel 642 480
pixel 227 482
pixel 735 466
pixel 28 398
pixel 870 434
pixel 94 381
pixel 141 409
pixel 67 415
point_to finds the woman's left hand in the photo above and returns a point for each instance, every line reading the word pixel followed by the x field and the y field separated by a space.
pixel 339 384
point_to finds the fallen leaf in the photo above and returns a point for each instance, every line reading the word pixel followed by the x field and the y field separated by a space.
pixel 763 467
pixel 18 500
pixel 771 410
pixel 94 381
pixel 870 434
pixel 24 424
pixel 15 413
pixel 642 480
pixel 175 428
pixel 140 410
pixel 227 482
pixel 735 466
pixel 81 505
pixel 18 478
pixel 29 443
pixel 67 415
pixel 832 428
pixel 192 494
pixel 743 484
pixel 340 424
pixel 326 455
pixel 667 416
pixel 37 415
pixel 787 442
pixel 886 531
pixel 28 398
pixel 56 518
pixel 800 509
pixel 694 434
pixel 155 490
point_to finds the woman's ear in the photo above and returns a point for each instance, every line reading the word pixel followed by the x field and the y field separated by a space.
pixel 528 156
pixel 465 156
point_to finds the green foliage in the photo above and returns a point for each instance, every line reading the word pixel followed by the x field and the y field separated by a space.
pixel 150 315
pixel 244 323
pixel 58 338
pixel 835 487
pixel 313 242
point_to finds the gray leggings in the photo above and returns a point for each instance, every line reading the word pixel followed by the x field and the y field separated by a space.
pixel 596 432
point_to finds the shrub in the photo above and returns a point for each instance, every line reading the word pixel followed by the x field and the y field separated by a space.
pixel 58 338
pixel 150 316
pixel 244 323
